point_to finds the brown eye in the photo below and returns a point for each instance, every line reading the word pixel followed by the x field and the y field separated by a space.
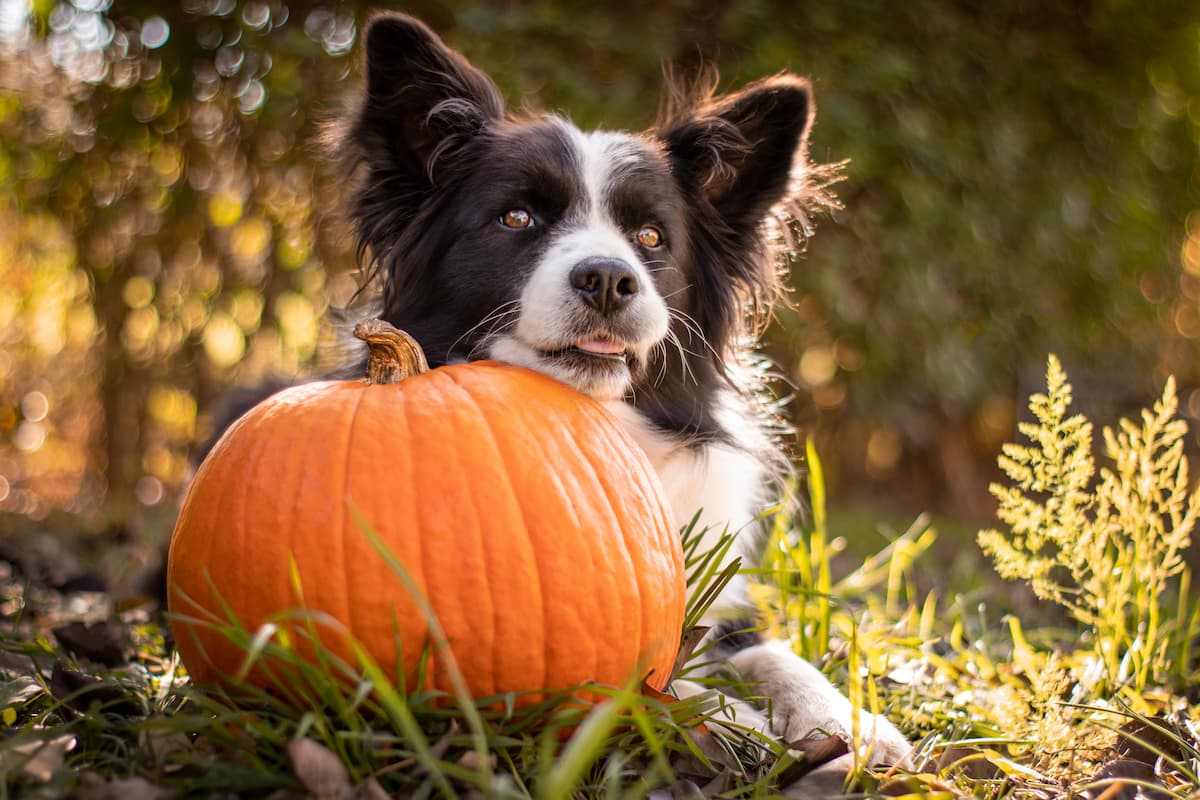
pixel 650 236
pixel 516 219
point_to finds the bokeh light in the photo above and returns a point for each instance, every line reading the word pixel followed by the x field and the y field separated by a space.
pixel 1022 178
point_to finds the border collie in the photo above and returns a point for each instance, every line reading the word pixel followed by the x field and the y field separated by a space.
pixel 627 265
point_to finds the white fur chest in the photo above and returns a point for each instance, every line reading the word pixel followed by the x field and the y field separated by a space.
pixel 726 485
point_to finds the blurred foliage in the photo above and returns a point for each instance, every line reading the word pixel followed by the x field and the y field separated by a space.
pixel 1107 547
pixel 1024 176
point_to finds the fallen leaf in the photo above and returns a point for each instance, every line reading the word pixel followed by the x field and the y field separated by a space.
pixel 94 787
pixel 99 642
pixel 687 645
pixel 970 761
pixel 656 694
pixel 812 753
pixel 319 769
pixel 370 790
pixel 19 691
pixel 822 782
pixel 819 749
pixel 1125 779
pixel 43 759
pixel 81 691
pixel 1145 740
pixel 16 663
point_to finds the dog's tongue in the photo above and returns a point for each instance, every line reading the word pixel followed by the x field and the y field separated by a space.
pixel 601 346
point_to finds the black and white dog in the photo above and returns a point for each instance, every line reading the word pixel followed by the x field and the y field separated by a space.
pixel 626 265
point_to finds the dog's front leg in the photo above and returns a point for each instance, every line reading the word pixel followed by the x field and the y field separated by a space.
pixel 803 702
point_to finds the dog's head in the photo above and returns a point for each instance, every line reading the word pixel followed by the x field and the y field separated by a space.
pixel 619 263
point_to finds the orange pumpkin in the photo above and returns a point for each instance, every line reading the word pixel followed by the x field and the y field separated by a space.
pixel 531 522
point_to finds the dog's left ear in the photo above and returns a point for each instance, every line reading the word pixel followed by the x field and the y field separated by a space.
pixel 741 151
pixel 422 97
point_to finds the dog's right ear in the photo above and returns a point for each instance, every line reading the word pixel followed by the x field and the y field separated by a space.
pixel 422 100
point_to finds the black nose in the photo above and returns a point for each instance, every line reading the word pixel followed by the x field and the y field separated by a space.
pixel 605 284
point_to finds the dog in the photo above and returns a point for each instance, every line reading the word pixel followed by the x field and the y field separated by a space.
pixel 627 265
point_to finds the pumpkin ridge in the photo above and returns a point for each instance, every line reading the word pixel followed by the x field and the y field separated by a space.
pixel 210 521
pixel 622 632
pixel 469 388
pixel 387 591
pixel 342 487
pixel 425 652
pixel 603 652
pixel 262 429
pixel 537 546
pixel 232 568
pixel 200 593
pixel 454 613
pixel 575 497
pixel 420 577
pixel 187 597
pixel 466 399
pixel 504 470
pixel 245 497
pixel 259 430
pixel 289 523
pixel 638 553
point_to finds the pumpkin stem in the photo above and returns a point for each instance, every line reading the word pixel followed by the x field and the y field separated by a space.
pixel 394 354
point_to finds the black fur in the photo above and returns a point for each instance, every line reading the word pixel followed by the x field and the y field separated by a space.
pixel 733 635
pixel 438 161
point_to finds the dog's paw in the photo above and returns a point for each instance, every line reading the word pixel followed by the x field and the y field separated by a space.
pixel 804 703
pixel 886 743
pixel 880 742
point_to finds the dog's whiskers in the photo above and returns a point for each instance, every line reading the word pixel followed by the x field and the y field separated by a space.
pixel 496 314
pixel 659 351
pixel 677 291
pixel 662 266
pixel 693 327
pixel 686 369
pixel 502 324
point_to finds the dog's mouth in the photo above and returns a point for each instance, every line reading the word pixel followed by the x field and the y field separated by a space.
pixel 598 348
pixel 599 364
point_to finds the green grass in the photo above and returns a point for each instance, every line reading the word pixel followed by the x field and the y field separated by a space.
pixel 426 744
pixel 997 707
pixel 950 674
